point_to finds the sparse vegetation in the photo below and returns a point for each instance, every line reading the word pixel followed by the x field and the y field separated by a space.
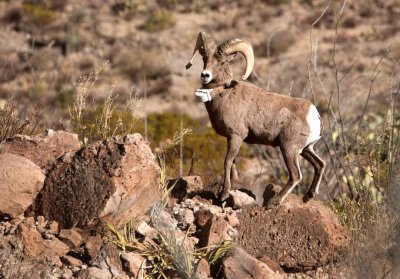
pixel 159 20
pixel 13 122
pixel 93 122
pixel 42 15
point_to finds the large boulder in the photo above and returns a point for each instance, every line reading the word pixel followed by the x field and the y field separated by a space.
pixel 114 180
pixel 42 149
pixel 297 235
pixel 20 182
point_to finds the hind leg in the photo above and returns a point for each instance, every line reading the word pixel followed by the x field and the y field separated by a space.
pixel 309 154
pixel 291 157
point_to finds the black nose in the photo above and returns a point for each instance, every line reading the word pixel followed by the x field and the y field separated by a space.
pixel 205 75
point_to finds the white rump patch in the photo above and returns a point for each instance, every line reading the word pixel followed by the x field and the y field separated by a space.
pixel 314 123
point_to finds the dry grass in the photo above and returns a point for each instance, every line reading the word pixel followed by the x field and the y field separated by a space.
pixel 93 122
pixel 13 122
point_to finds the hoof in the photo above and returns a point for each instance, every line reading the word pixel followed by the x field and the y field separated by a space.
pixel 308 196
pixel 223 196
pixel 274 202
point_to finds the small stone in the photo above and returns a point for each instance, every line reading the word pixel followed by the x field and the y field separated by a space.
pixel 71 237
pixel 71 261
pixel 53 227
pixel 132 263
pixel 238 264
pixel 145 230
pixel 215 231
pixel 203 269
pixel 186 187
pixel 237 199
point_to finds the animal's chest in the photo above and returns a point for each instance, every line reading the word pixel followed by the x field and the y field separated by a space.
pixel 225 116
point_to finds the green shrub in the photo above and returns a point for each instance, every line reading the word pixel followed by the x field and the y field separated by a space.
pixel 159 20
pixel 41 14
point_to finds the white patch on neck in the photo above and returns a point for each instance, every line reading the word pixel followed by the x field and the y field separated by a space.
pixel 203 95
pixel 314 124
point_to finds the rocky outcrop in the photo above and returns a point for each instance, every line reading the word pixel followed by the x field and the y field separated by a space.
pixel 297 235
pixel 114 180
pixel 43 149
pixel 20 182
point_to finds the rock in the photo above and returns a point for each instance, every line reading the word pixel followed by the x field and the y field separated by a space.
pixel 185 217
pixel 238 199
pixel 272 264
pixel 145 230
pixel 44 149
pixel 296 235
pixel 71 237
pixel 216 231
pixel 109 259
pixel 203 269
pixel 132 263
pixel 202 217
pixel 113 181
pixel 238 264
pixel 20 182
pixel 93 246
pixel 71 261
pixel 31 240
pixel 95 273
pixel 186 187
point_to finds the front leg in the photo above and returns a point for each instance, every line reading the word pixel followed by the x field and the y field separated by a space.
pixel 234 173
pixel 234 142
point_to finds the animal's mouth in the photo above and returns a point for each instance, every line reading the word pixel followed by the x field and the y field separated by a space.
pixel 206 80
pixel 206 76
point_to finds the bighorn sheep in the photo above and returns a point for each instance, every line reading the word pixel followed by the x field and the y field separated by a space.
pixel 242 112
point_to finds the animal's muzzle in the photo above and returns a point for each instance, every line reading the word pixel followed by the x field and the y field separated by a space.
pixel 206 76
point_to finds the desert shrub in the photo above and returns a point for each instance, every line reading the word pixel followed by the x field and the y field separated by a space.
pixel 14 121
pixel 42 15
pixel 159 20
pixel 276 2
pixel 13 15
pixel 98 122
pixel 141 64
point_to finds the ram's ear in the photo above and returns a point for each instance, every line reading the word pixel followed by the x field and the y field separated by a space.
pixel 205 45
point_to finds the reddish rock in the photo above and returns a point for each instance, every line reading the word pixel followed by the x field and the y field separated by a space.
pixel 296 235
pixel 239 264
pixel 43 149
pixel 215 231
pixel 31 240
pixel 71 237
pixel 71 261
pixel 20 182
pixel 202 217
pixel 238 199
pixel 93 246
pixel 38 249
pixel 114 180
pixel 132 263
pixel 203 269
pixel 272 264
pixel 186 187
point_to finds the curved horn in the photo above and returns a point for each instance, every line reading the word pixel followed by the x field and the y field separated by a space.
pixel 205 45
pixel 245 48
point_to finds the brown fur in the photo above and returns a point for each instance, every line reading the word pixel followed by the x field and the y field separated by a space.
pixel 242 112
